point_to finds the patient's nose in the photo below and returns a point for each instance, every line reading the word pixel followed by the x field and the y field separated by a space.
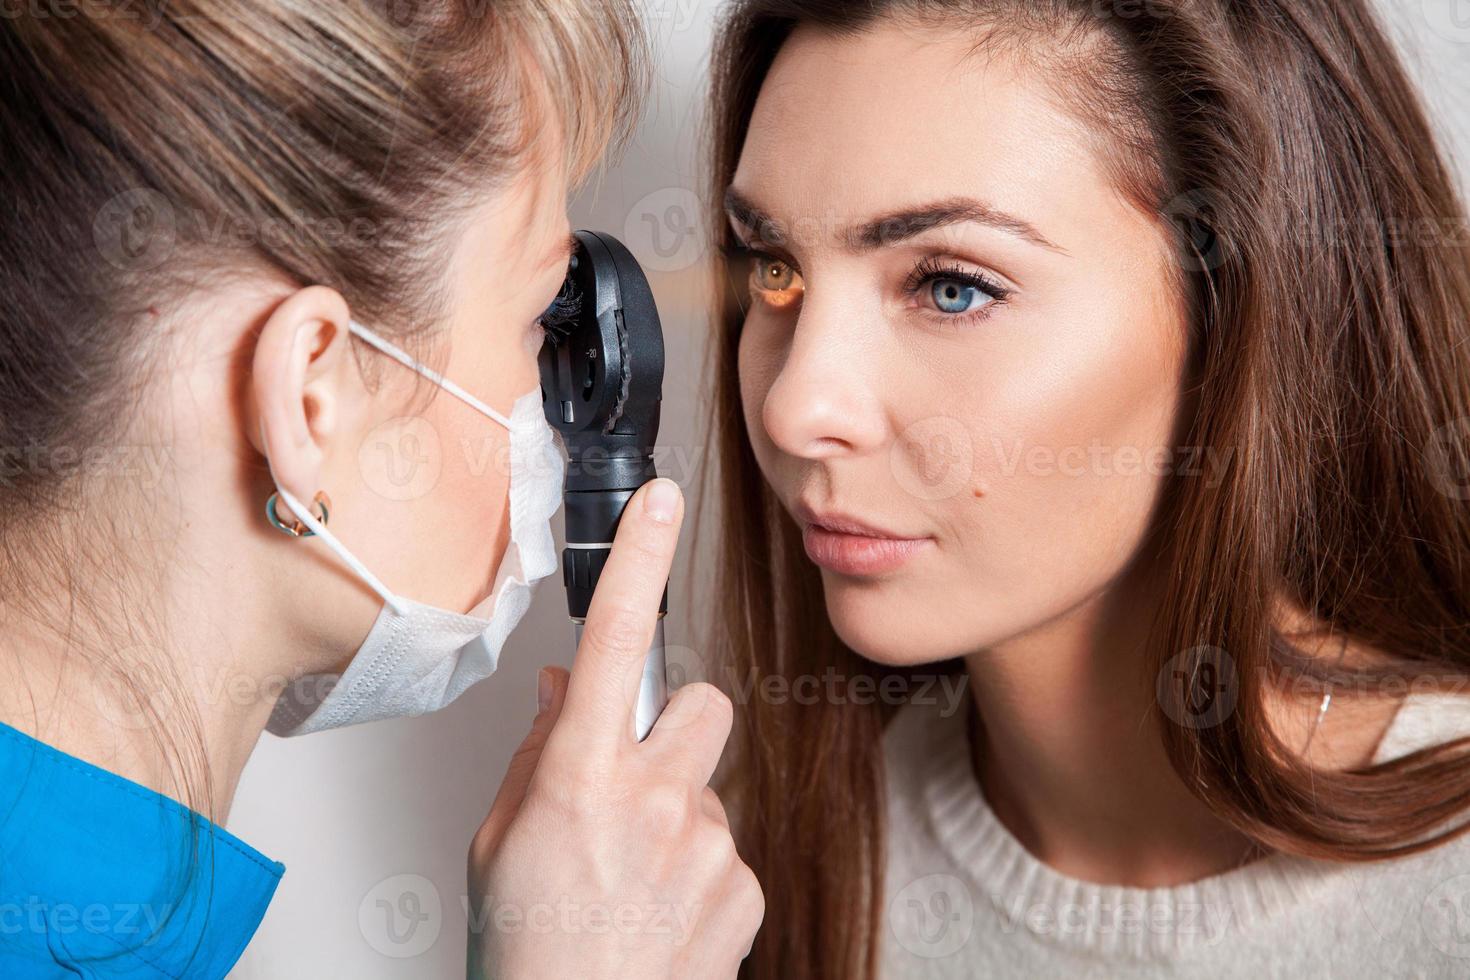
pixel 826 399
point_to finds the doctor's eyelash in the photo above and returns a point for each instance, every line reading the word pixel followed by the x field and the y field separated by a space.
pixel 559 316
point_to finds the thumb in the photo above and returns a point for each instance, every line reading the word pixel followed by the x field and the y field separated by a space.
pixel 551 688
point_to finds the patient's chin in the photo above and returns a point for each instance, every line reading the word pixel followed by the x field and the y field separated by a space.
pixel 910 623
pixel 892 633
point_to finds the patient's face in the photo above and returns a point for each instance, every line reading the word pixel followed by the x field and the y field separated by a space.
pixel 1000 394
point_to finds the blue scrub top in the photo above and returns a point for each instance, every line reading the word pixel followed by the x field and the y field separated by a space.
pixel 103 877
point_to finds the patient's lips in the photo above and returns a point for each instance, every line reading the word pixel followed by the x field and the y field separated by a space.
pixel 849 546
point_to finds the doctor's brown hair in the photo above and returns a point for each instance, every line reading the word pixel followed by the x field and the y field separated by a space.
pixel 1325 262
pixel 148 150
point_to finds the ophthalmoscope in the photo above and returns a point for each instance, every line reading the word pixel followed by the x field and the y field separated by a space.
pixel 602 371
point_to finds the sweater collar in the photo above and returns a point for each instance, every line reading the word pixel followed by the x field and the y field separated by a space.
pixel 1104 919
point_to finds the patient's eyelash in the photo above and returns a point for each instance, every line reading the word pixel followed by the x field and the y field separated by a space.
pixel 738 254
pixel 558 318
pixel 930 269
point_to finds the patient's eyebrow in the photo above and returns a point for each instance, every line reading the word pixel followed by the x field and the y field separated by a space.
pixel 739 207
pixel 897 226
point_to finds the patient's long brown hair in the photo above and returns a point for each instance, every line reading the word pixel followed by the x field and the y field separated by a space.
pixel 1326 266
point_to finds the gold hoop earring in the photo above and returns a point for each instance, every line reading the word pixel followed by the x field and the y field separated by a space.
pixel 297 529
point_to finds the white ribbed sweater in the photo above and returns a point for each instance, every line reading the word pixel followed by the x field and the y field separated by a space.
pixel 966 899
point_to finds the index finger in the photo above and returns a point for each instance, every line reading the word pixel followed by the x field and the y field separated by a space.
pixel 602 694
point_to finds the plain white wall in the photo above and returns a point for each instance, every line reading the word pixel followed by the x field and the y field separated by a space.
pixel 373 822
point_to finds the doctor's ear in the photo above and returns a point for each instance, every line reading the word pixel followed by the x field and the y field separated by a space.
pixel 306 386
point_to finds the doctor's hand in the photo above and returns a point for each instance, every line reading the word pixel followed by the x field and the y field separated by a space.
pixel 603 856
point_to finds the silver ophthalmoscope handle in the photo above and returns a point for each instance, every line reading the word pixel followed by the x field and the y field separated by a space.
pixel 653 686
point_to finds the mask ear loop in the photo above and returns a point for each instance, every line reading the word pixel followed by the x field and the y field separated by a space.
pixel 407 360
pixel 304 515
pixel 319 529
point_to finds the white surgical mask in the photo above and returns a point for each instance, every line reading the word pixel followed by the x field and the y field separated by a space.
pixel 418 658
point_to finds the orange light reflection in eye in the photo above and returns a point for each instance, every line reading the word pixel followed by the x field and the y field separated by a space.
pixel 777 299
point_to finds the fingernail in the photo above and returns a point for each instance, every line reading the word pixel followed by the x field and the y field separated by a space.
pixel 543 689
pixel 662 500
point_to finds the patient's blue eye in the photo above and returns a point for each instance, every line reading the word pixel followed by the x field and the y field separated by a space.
pixel 953 296
pixel 958 294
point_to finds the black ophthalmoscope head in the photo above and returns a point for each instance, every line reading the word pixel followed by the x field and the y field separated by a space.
pixel 602 372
